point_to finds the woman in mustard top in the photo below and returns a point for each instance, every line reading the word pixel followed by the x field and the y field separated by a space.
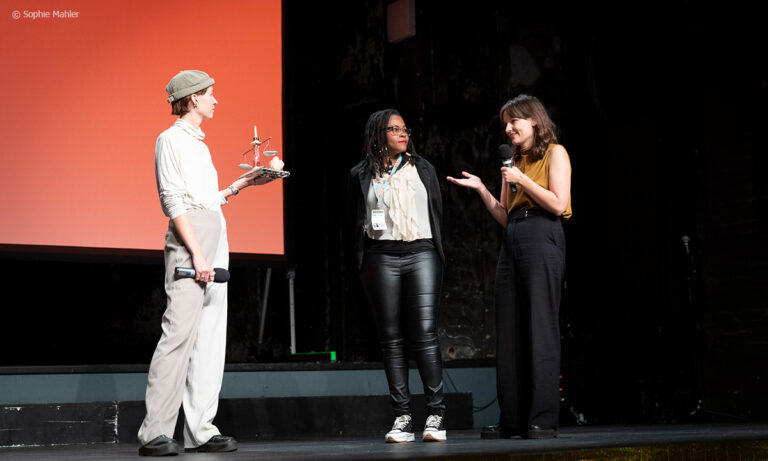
pixel 535 201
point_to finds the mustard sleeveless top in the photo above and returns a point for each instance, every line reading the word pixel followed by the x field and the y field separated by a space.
pixel 538 171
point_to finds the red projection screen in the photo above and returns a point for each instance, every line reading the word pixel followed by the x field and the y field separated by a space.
pixel 84 93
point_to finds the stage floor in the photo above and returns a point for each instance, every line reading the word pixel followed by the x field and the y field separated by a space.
pixel 663 442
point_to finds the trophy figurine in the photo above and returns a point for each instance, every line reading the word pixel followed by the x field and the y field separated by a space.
pixel 254 167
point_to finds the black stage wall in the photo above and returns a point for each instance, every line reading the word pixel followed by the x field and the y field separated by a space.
pixel 663 113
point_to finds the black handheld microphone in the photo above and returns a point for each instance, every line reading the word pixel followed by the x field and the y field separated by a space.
pixel 220 275
pixel 505 154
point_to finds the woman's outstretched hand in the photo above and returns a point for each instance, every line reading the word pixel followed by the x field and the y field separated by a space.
pixel 469 180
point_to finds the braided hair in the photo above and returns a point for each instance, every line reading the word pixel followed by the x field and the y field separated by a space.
pixel 375 150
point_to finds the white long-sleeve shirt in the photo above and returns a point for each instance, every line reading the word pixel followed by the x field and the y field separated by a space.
pixel 186 177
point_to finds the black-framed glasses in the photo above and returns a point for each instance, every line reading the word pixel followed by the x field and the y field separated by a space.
pixel 396 130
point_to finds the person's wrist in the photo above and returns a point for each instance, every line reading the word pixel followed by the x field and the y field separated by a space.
pixel 233 189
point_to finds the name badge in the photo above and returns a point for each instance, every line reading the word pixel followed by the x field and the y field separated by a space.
pixel 377 220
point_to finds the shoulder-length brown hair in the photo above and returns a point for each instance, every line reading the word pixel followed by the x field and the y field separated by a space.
pixel 375 151
pixel 544 131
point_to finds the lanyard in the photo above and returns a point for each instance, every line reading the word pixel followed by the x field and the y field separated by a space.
pixel 379 189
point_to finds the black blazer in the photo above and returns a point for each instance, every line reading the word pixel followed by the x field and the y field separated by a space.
pixel 358 183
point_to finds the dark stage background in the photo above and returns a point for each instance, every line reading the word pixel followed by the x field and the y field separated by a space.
pixel 663 113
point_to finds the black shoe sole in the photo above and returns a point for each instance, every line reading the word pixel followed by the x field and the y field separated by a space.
pixel 162 451
pixel 219 448
pixel 541 435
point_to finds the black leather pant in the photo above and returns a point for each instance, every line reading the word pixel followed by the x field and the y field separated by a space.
pixel 404 292
pixel 529 278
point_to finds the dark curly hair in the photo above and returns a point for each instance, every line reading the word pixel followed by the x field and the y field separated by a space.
pixel 375 151
pixel 544 132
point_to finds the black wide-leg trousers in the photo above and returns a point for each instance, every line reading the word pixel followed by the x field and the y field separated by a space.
pixel 404 292
pixel 529 280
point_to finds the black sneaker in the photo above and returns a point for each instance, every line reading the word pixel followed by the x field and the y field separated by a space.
pixel 217 443
pixel 402 430
pixel 434 429
pixel 162 445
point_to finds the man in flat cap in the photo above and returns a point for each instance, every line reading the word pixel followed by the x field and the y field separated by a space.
pixel 188 364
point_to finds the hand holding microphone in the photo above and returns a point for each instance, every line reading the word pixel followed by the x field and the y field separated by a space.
pixel 221 275
pixel 505 154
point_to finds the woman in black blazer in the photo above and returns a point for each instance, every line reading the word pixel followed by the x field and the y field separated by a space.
pixel 395 210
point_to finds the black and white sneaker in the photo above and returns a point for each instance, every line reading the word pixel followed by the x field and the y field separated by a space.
pixel 402 430
pixel 434 429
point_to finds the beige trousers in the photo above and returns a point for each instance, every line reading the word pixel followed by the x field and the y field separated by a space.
pixel 188 364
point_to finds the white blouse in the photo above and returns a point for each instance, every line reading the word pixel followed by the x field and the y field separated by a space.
pixel 405 204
